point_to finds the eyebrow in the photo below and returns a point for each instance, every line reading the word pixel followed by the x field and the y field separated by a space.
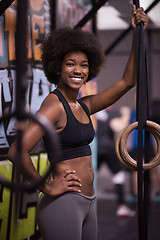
pixel 72 59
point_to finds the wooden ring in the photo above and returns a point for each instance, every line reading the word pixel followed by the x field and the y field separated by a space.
pixel 118 152
pixel 121 149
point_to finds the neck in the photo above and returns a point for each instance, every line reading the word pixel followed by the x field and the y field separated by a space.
pixel 70 95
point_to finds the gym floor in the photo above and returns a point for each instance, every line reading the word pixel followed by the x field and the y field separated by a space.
pixel 113 228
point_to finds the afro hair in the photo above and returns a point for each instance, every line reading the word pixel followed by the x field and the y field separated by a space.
pixel 64 40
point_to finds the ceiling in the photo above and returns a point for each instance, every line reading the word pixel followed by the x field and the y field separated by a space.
pixel 116 14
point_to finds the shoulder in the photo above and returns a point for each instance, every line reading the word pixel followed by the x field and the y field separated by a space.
pixel 86 100
pixel 49 100
pixel 52 108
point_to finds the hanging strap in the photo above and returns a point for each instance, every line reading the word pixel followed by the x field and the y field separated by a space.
pixel 142 115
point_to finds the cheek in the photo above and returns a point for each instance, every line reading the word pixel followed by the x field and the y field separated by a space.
pixel 87 72
pixel 64 71
pixel 63 77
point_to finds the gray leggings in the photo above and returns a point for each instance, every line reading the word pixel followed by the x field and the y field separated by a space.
pixel 71 216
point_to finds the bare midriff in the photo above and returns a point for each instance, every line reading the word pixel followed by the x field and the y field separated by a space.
pixel 84 170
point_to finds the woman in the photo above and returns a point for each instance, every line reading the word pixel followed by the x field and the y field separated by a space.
pixel 71 58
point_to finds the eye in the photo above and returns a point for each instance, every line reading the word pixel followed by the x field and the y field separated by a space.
pixel 70 64
pixel 85 65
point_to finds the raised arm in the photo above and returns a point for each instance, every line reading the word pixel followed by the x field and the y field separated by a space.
pixel 117 90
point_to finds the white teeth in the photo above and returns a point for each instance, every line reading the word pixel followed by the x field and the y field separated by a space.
pixel 76 79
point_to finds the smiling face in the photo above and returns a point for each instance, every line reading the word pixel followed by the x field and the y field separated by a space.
pixel 74 70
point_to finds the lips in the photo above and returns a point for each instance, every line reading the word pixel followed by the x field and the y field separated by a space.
pixel 76 79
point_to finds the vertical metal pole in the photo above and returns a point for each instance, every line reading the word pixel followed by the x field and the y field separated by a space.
pixel 21 55
pixel 21 86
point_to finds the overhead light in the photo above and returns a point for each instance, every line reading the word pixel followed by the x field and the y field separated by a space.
pixel 108 18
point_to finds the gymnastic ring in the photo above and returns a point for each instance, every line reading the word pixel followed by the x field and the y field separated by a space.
pixel 146 166
pixel 123 159
pixel 153 128
pixel 55 154
pixel 126 156
pixel 118 153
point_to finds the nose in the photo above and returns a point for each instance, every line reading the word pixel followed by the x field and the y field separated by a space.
pixel 77 70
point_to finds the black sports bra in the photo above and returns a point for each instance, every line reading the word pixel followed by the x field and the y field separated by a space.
pixel 76 136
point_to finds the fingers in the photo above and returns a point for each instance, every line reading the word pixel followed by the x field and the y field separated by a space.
pixel 68 172
pixel 139 16
pixel 71 181
pixel 134 9
pixel 71 177
pixel 74 186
